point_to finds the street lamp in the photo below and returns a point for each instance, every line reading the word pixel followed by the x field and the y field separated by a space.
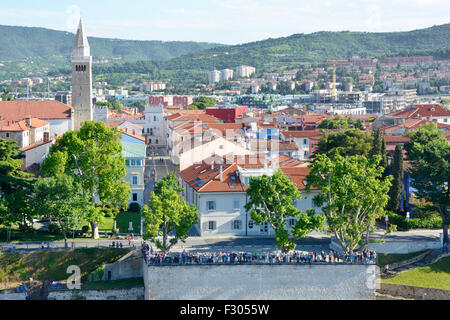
pixel 407 220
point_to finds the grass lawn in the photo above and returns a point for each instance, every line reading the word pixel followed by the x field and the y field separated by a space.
pixel 52 265
pixel 389 258
pixel 112 284
pixel 436 276
pixel 123 220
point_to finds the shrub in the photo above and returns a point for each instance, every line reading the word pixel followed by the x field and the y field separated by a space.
pixel 134 207
pixel 85 229
pixel 424 223
pixel 100 272
pixel 53 228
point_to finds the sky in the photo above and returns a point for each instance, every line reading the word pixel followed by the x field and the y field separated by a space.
pixel 223 21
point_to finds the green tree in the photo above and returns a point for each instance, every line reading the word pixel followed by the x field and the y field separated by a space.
pixel 379 147
pixel 62 199
pixel 397 183
pixel 93 157
pixel 271 199
pixel 428 152
pixel 353 196
pixel 346 143
pixel 7 96
pixel 168 214
pixel 204 102
pixel 15 187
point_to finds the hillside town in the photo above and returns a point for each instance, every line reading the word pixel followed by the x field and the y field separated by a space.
pixel 245 155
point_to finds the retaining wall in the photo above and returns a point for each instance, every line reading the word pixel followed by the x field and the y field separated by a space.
pixel 413 292
pixel 117 294
pixel 260 282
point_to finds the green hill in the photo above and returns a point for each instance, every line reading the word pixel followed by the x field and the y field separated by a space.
pixel 18 43
pixel 316 47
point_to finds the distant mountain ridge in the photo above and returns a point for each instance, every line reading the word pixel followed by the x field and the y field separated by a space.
pixel 28 42
pixel 319 46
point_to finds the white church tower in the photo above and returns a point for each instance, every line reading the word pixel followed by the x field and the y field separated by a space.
pixel 81 79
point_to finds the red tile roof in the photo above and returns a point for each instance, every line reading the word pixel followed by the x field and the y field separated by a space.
pixel 19 110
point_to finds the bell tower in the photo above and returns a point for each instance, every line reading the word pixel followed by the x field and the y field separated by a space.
pixel 81 79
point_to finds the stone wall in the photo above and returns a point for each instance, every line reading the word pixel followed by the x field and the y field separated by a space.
pixel 260 282
pixel 129 266
pixel 420 293
pixel 13 296
pixel 395 246
pixel 116 294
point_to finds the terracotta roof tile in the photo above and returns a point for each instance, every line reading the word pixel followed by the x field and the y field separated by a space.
pixel 50 109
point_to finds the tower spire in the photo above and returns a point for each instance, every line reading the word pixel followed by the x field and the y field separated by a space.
pixel 81 47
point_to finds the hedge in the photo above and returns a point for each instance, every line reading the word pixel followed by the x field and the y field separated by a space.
pixel 400 222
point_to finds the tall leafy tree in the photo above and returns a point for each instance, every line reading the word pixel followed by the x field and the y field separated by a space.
pixel 61 199
pixel 271 199
pixel 353 196
pixel 93 157
pixel 379 147
pixel 397 183
pixel 345 143
pixel 429 155
pixel 7 96
pixel 168 214
pixel 15 186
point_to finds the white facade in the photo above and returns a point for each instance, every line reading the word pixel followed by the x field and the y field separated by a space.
pixel 226 74
pixel 245 71
pixel 213 76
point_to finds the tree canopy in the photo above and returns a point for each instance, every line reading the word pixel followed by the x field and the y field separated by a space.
pixel 353 196
pixel 429 155
pixel 15 186
pixel 271 199
pixel 168 214
pixel 349 142
pixel 93 157
pixel 204 102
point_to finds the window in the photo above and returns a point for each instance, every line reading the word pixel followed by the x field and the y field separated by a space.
pixel 237 224
pixel 154 118
pixel 236 204
pixel 246 181
pixel 127 163
pixel 134 196
pixel 211 225
pixel 134 180
pixel 291 222
pixel 156 141
pixel 7 134
pixel 305 141
pixel 306 154
pixel 211 205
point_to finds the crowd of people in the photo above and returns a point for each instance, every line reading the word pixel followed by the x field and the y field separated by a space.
pixel 294 257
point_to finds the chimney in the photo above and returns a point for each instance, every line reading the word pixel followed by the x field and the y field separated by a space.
pixel 221 174
pixel 28 121
pixel 212 165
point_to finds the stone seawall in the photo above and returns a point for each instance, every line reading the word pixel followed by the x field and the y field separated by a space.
pixel 412 292
pixel 117 294
pixel 260 282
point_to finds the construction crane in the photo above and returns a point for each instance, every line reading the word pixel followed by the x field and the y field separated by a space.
pixel 334 95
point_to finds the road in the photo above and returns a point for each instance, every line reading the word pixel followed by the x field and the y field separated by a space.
pixel 159 160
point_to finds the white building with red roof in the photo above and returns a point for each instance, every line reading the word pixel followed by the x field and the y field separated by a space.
pixel 217 186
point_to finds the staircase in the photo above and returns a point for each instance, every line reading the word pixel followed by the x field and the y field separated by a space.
pixel 426 260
